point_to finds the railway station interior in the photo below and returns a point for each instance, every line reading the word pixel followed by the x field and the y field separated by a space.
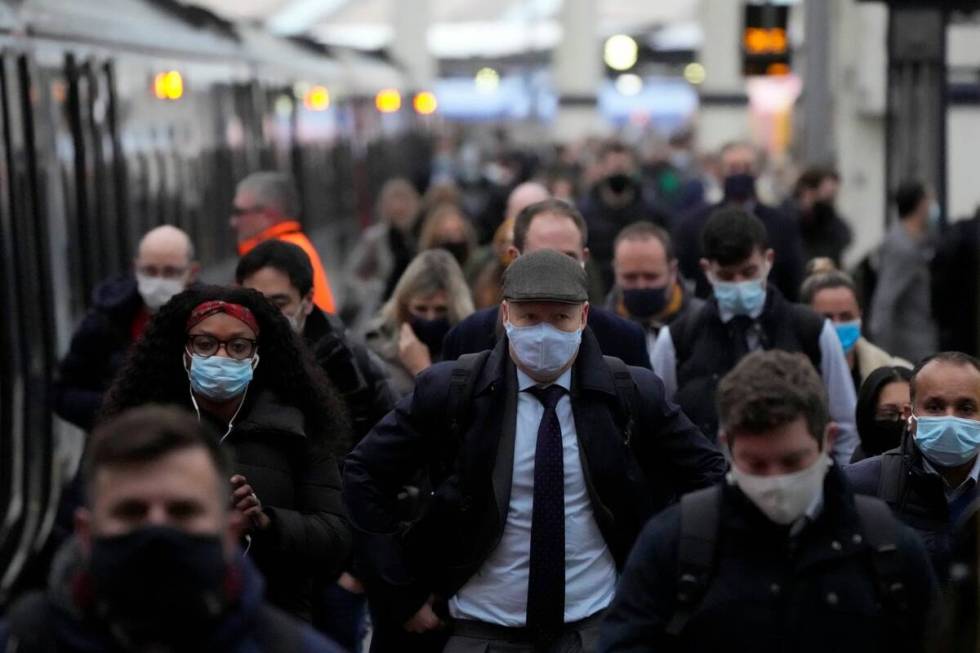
pixel 307 248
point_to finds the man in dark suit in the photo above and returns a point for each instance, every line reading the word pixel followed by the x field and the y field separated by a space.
pixel 538 492
pixel 739 166
pixel 550 224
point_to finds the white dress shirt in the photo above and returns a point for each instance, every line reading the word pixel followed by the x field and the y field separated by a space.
pixel 833 368
pixel 497 593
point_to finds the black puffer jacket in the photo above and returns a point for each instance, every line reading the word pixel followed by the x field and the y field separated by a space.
pixel 97 351
pixel 358 375
pixel 298 484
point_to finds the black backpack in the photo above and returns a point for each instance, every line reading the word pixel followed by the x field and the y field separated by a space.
pixel 698 545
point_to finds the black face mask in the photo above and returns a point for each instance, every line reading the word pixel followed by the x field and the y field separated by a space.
pixel 159 585
pixel 459 249
pixel 823 212
pixel 740 187
pixel 430 332
pixel 645 302
pixel 886 434
pixel 619 182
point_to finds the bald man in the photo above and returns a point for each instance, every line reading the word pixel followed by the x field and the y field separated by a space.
pixel 524 195
pixel 121 308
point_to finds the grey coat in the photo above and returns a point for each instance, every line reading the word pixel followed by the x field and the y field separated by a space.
pixel 901 309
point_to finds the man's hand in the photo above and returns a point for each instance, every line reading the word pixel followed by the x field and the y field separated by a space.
pixel 350 583
pixel 413 353
pixel 243 499
pixel 424 620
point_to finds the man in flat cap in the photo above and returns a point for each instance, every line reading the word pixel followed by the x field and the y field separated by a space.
pixel 545 459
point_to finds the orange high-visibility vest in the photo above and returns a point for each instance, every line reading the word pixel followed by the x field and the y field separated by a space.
pixel 290 231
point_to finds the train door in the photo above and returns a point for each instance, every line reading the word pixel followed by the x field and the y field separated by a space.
pixel 28 474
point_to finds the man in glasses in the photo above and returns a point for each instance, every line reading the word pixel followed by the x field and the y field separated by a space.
pixel 266 207
pixel 121 309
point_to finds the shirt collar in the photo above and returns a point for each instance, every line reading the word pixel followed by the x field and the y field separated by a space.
pixel 953 492
pixel 524 381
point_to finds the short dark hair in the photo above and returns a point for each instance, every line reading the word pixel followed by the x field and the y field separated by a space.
pixel 951 357
pixel 908 197
pixel 769 389
pixel 731 235
pixel 289 259
pixel 811 178
pixel 645 231
pixel 551 205
pixel 148 433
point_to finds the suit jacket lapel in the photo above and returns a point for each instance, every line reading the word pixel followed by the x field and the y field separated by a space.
pixel 503 469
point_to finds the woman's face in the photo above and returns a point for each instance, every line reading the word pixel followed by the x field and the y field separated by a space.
pixel 451 229
pixel 894 402
pixel 429 307
pixel 836 304
pixel 222 335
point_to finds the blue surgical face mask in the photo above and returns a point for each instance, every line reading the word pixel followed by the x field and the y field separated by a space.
pixel 741 297
pixel 219 378
pixel 947 441
pixel 543 350
pixel 848 333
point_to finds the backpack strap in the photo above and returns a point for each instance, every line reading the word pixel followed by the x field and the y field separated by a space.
pixel 881 532
pixel 700 523
pixel 682 332
pixel 626 392
pixel 461 385
pixel 809 327
pixel 891 481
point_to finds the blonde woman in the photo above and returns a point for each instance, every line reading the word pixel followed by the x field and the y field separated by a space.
pixel 430 298
pixel 447 227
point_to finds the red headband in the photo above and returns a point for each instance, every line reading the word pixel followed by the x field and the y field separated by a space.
pixel 205 310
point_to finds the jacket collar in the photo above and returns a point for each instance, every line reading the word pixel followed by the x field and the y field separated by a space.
pixel 275 231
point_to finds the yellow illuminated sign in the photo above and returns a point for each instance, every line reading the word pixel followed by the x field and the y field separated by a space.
pixel 317 98
pixel 168 85
pixel 425 103
pixel 388 100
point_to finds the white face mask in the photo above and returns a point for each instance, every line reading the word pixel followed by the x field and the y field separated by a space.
pixel 787 497
pixel 298 320
pixel 157 291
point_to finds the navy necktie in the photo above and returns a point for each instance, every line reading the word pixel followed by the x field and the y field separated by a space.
pixel 546 577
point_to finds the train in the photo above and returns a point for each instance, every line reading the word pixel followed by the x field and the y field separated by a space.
pixel 120 115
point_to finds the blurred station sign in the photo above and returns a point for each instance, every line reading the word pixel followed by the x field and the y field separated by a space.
pixel 766 50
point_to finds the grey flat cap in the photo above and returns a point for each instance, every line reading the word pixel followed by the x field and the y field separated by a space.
pixel 545 276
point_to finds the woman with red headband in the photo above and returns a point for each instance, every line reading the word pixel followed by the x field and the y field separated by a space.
pixel 230 356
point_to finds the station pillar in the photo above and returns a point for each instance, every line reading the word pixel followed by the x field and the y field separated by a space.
pixel 410 46
pixel 724 114
pixel 577 70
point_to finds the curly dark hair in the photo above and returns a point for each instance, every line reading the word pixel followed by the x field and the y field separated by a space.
pixel 154 371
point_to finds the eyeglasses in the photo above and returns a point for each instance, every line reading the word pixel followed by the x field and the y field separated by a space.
pixel 164 271
pixel 206 346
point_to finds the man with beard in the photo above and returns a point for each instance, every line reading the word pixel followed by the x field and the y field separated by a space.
pixel 155 566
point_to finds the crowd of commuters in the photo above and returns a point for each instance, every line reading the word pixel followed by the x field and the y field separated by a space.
pixel 597 402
